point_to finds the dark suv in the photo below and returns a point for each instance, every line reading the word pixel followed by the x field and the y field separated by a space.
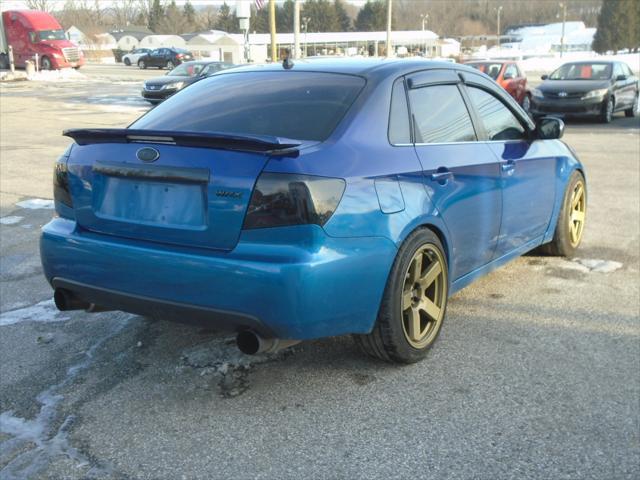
pixel 165 58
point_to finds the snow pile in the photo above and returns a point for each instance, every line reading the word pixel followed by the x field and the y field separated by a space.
pixel 10 220
pixel 63 75
pixel 35 204
pixel 599 266
pixel 45 311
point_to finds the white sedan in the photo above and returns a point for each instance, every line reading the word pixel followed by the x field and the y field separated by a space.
pixel 132 57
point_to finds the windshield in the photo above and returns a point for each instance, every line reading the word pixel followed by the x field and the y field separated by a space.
pixel 491 69
pixel 582 71
pixel 51 35
pixel 296 105
pixel 187 70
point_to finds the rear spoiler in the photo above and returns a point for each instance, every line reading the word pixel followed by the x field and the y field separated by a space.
pixel 245 143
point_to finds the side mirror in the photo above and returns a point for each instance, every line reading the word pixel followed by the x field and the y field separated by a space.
pixel 544 77
pixel 507 76
pixel 550 128
pixel 621 78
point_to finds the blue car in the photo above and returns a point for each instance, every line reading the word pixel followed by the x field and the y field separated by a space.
pixel 324 198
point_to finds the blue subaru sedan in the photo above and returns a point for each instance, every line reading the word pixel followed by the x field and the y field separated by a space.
pixel 326 198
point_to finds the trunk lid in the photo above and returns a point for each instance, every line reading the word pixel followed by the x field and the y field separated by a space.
pixel 192 192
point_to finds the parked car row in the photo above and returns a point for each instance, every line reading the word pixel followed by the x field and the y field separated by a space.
pixel 157 89
pixel 576 89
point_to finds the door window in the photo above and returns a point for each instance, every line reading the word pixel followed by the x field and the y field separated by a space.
pixel 511 70
pixel 440 115
pixel 617 70
pixel 498 121
pixel 399 128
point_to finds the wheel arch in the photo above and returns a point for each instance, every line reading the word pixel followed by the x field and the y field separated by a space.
pixel 437 226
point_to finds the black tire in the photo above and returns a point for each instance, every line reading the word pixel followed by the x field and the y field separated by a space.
pixel 562 245
pixel 633 111
pixel 170 65
pixel 606 115
pixel 388 339
pixel 526 103
pixel 127 62
pixel 142 64
pixel 45 63
pixel 4 61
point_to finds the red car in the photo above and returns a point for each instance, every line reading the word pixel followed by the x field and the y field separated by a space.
pixel 509 76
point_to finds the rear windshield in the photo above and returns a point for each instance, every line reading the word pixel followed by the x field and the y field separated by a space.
pixel 491 69
pixel 296 105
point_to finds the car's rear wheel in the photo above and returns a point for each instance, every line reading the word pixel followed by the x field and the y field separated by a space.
pixel 170 65
pixel 607 111
pixel 633 111
pixel 571 220
pixel 127 62
pixel 414 302
pixel 142 64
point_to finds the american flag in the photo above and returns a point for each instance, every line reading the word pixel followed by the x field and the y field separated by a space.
pixel 259 4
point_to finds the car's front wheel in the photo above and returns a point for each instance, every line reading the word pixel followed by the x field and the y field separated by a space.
pixel 607 111
pixel 127 62
pixel 414 302
pixel 633 111
pixel 571 219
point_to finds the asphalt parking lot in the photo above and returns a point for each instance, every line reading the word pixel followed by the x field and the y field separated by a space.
pixel 535 374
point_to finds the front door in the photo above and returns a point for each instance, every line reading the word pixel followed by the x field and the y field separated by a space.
pixel 462 176
pixel 528 172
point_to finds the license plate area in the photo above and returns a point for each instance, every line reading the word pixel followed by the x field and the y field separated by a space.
pixel 151 203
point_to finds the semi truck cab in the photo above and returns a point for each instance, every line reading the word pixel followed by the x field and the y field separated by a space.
pixel 30 32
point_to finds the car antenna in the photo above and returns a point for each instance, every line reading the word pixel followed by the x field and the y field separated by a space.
pixel 287 63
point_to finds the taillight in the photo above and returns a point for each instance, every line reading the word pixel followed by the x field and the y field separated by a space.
pixel 61 191
pixel 179 55
pixel 281 199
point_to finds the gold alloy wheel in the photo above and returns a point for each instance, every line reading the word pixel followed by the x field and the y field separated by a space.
pixel 424 296
pixel 577 213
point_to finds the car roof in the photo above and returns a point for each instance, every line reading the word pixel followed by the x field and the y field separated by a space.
pixel 480 62
pixel 369 68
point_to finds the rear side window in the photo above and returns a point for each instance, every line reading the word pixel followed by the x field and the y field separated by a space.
pixel 296 105
pixel 498 121
pixel 440 115
pixel 399 128
pixel 511 70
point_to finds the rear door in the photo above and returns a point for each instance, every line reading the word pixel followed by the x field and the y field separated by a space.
pixel 462 176
pixel 528 171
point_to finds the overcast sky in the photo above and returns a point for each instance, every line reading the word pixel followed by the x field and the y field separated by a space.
pixel 19 4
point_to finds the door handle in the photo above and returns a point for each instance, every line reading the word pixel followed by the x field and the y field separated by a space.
pixel 508 167
pixel 442 176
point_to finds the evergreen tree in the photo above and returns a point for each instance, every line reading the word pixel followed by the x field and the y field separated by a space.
pixel 155 15
pixel 342 18
pixel 227 20
pixel 322 14
pixel 617 26
pixel 372 17
pixel 189 14
pixel 284 17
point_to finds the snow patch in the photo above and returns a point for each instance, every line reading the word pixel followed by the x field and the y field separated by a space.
pixel 63 75
pixel 11 219
pixel 36 203
pixel 598 266
pixel 45 311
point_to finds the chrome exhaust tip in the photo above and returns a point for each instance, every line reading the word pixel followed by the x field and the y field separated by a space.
pixel 250 343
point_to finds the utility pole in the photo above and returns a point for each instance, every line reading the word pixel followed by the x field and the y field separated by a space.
pixel 272 28
pixel 425 19
pixel 564 20
pixel 389 2
pixel 305 24
pixel 498 32
pixel 296 29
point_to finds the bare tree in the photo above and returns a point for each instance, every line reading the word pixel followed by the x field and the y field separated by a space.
pixel 125 12
pixel 42 5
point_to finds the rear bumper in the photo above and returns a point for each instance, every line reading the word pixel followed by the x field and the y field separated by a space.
pixel 293 282
pixel 571 107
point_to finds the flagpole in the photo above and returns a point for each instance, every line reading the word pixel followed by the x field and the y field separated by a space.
pixel 389 28
pixel 272 28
